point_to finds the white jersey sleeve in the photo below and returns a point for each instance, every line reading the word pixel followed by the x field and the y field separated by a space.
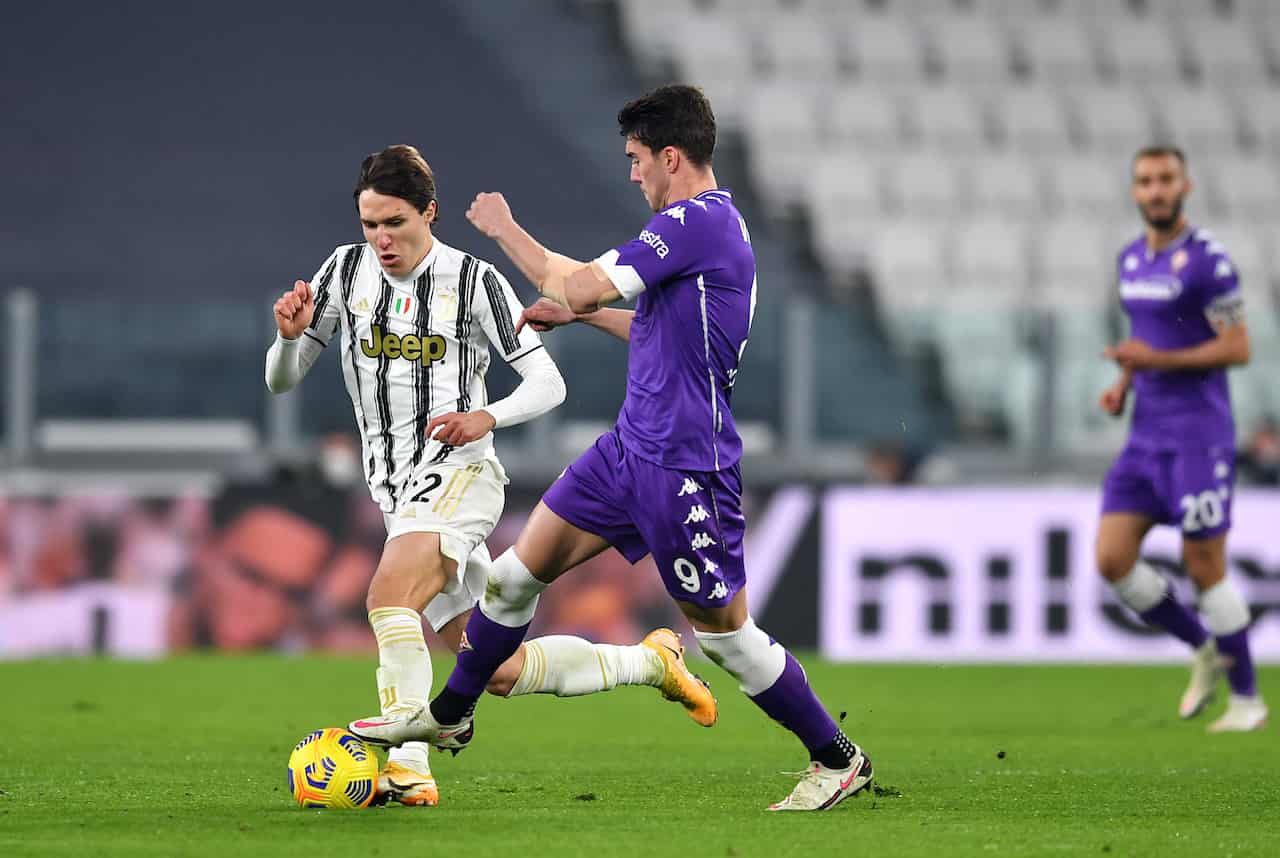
pixel 496 306
pixel 288 361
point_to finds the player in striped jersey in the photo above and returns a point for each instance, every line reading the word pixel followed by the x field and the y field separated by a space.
pixel 413 320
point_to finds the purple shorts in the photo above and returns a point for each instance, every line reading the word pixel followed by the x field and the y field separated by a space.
pixel 690 521
pixel 1190 488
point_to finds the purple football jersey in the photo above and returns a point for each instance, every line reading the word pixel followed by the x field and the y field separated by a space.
pixel 693 274
pixel 1172 298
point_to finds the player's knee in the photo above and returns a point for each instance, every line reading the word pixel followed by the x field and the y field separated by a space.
pixel 413 584
pixel 511 592
pixel 748 654
pixel 1115 561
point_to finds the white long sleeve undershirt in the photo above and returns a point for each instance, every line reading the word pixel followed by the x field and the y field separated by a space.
pixel 541 387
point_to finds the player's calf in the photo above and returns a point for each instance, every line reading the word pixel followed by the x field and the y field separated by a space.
pixel 776 682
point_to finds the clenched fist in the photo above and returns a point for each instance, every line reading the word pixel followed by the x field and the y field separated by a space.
pixel 294 309
pixel 490 214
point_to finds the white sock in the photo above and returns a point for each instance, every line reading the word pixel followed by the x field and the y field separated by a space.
pixel 1142 589
pixel 511 592
pixel 404 673
pixel 1225 611
pixel 747 654
pixel 568 666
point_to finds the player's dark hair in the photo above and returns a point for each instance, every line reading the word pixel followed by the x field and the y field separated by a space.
pixel 399 171
pixel 675 115
pixel 1161 150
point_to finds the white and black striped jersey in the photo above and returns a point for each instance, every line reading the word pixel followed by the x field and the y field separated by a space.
pixel 413 349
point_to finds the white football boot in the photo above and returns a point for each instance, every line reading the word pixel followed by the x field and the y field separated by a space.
pixel 1207 670
pixel 1243 714
pixel 822 788
pixel 412 724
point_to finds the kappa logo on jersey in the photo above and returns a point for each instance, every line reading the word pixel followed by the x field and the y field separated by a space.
pixel 710 568
pixel 1131 263
pixel 689 488
pixel 702 540
pixel 655 241
pixel 1179 261
pixel 676 213
pixel 410 346
pixel 719 591
pixel 697 514
pixel 1223 269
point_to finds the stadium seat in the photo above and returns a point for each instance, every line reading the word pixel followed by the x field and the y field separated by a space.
pixel 1248 188
pixel 715 52
pixel 908 264
pixel 978 337
pixel 925 185
pixel 1200 120
pixel 1022 399
pixel 844 200
pixel 1115 120
pixel 1260 112
pixel 1033 119
pixel 885 49
pixel 647 29
pixel 1225 51
pixel 948 118
pixel 799 48
pixel 970 49
pixel 1079 424
pixel 865 117
pixel 1086 185
pixel 1057 51
pixel 782 142
pixel 993 251
pixel 1138 50
pixel 1006 184
pixel 1074 264
pixel 842 183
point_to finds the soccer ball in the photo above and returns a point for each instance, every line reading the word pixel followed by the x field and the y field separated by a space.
pixel 332 768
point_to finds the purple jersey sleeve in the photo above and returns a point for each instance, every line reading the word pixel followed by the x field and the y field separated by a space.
pixel 666 249
pixel 1217 285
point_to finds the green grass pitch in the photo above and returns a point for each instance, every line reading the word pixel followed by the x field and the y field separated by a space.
pixel 187 757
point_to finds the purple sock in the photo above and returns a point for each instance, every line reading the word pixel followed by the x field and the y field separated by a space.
pixel 486 645
pixel 1235 647
pixel 791 702
pixel 1173 616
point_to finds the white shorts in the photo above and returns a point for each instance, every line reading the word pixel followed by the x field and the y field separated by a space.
pixel 462 503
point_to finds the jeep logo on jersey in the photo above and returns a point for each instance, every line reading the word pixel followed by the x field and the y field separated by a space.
pixel 655 241
pixel 410 346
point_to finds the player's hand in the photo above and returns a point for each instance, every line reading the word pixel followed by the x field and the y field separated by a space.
pixel 1112 399
pixel 490 214
pixel 545 315
pixel 461 427
pixel 1133 354
pixel 294 310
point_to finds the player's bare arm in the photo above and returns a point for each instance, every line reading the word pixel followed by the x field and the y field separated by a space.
pixel 1113 398
pixel 546 315
pixel 578 286
pixel 459 428
pixel 1229 348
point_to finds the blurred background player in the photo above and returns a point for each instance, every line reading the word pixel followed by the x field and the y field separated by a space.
pixel 666 479
pixel 1182 296
pixel 417 318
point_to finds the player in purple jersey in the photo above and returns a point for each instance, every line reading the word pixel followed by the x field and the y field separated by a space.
pixel 1182 295
pixel 665 481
